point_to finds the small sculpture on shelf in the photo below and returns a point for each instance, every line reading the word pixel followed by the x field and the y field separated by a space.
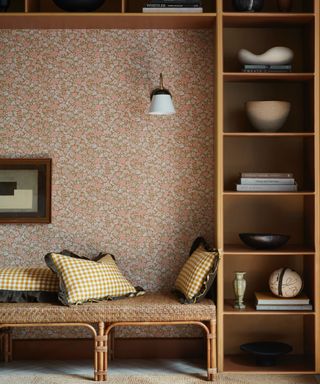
pixel 275 59
pixel 239 286
pixel 285 282
pixel 284 5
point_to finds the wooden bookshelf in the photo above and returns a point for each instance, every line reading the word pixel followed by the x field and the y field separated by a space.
pixel 237 148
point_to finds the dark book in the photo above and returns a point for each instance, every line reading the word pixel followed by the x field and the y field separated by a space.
pixel 187 2
pixel 266 68
pixel 172 6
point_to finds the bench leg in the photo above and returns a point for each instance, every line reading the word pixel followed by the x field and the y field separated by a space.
pixel 100 351
pixel 212 351
pixel 6 345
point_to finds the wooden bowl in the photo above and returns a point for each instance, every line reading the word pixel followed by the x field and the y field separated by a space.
pixel 263 240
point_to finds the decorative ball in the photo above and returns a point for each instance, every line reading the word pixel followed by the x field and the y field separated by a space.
pixel 285 282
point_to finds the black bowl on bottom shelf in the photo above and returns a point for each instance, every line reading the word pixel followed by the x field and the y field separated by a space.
pixel 263 240
pixel 79 5
pixel 266 352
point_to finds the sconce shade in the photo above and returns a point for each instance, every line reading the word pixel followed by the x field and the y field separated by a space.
pixel 161 101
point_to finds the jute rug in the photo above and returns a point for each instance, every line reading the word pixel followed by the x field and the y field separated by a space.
pixel 163 379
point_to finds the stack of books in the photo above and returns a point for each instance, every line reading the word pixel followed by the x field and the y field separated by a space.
pixel 173 6
pixel 266 68
pixel 267 182
pixel 266 301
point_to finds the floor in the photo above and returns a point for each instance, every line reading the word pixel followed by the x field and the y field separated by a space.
pixel 83 368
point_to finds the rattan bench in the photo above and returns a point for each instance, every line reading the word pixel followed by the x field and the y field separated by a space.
pixel 150 309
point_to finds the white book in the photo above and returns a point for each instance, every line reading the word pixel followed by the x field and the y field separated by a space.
pixel 277 175
pixel 172 10
pixel 266 188
pixel 268 180
pixel 267 298
pixel 305 307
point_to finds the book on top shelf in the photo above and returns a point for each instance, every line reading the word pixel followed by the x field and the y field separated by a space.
pixel 173 10
pixel 268 298
pixel 266 180
pixel 267 174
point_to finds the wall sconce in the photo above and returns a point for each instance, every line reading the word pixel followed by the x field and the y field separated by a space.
pixel 161 101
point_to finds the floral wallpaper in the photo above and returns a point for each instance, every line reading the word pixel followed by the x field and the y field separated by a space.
pixel 125 182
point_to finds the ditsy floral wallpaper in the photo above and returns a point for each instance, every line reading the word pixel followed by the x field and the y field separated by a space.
pixel 138 186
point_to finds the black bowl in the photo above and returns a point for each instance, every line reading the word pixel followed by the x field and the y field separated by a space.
pixel 79 5
pixel 266 352
pixel 4 5
pixel 248 5
pixel 263 240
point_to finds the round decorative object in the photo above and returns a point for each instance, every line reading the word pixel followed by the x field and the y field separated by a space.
pixel 284 5
pixel 267 352
pixel 4 5
pixel 285 282
pixel 273 56
pixel 248 5
pixel 79 5
pixel 268 116
pixel 263 240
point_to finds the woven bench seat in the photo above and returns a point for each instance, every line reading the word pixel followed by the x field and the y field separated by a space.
pixel 150 309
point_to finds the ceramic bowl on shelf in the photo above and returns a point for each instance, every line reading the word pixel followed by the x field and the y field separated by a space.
pixel 266 352
pixel 264 240
pixel 273 56
pixel 268 116
pixel 4 5
pixel 79 5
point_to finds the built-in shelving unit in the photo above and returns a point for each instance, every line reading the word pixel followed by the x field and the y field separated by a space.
pixel 295 148
pixel 239 148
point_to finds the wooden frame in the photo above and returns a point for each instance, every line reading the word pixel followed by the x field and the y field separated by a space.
pixel 40 171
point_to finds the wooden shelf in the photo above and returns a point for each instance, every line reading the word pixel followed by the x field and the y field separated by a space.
pixel 267 134
pixel 250 310
pixel 241 76
pixel 106 21
pixel 293 364
pixel 237 19
pixel 239 249
pixel 299 193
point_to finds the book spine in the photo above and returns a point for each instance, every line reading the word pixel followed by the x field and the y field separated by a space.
pixel 283 302
pixel 172 10
pixel 284 307
pixel 266 188
pixel 268 180
pixel 258 70
pixel 188 2
pixel 172 6
pixel 266 175
pixel 264 66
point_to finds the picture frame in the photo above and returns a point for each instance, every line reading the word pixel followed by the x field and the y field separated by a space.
pixel 25 190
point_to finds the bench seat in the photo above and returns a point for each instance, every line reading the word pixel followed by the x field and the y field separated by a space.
pixel 150 309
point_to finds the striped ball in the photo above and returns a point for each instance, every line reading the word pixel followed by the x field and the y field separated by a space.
pixel 285 282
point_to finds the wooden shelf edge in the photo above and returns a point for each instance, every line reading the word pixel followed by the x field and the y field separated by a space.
pixel 291 76
pixel 268 134
pixel 115 20
pixel 231 249
pixel 299 193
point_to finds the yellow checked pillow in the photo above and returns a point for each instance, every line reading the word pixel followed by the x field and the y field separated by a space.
pixel 85 280
pixel 198 273
pixel 30 284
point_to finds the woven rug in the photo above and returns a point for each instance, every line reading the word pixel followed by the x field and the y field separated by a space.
pixel 163 379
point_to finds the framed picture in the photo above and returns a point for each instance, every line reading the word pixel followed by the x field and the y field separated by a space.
pixel 25 191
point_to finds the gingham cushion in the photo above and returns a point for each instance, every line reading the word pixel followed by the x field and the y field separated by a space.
pixel 27 284
pixel 86 280
pixel 194 275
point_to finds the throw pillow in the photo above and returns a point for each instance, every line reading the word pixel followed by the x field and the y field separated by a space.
pixel 31 284
pixel 198 273
pixel 85 280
